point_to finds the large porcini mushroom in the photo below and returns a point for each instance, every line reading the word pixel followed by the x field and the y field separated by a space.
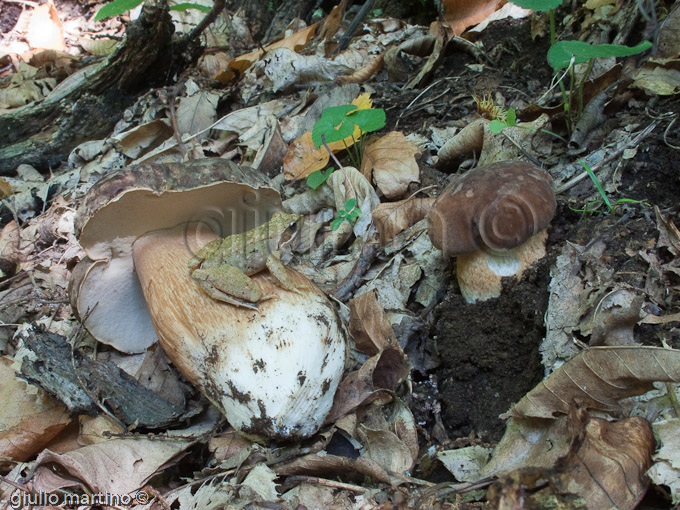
pixel 273 371
pixel 493 219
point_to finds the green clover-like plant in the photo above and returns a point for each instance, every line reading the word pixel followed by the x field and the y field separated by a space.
pixel 118 7
pixel 350 213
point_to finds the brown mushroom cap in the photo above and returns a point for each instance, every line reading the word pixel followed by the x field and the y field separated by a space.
pixel 495 207
pixel 104 289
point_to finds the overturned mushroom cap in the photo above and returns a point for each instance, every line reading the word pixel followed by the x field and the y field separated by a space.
pixel 494 207
pixel 104 289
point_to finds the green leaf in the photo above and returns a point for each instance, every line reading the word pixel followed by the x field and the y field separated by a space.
pixel 561 53
pixel 496 126
pixel 511 117
pixel 334 124
pixel 597 183
pixel 538 5
pixel 317 178
pixel 369 120
pixel 335 224
pixel 185 6
pixel 116 8
pixel 350 204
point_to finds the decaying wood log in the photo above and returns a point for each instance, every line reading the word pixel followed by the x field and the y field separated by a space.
pixel 88 104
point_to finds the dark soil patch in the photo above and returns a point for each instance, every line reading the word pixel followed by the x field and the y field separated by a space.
pixel 489 354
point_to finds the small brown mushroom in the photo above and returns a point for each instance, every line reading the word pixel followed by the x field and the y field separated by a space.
pixel 493 219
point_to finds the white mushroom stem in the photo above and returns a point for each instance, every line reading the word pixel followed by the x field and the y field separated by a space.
pixel 273 372
pixel 480 273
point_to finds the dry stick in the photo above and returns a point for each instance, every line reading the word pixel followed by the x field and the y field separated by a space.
pixel 354 25
pixel 416 99
pixel 578 178
pixel 218 6
pixel 295 480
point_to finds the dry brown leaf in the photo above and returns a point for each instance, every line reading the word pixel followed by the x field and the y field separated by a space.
pixel 303 158
pixel 391 162
pixel 608 469
pixel 469 139
pixel 332 22
pixel 375 380
pixel 669 35
pixel 44 29
pixel 29 418
pixel 315 464
pixel 421 46
pixel 140 139
pixel 118 466
pixel 442 36
pixel 295 42
pixel 460 14
pixel 369 326
pixel 98 46
pixel 391 218
pixel 5 189
pixel 196 112
pixel 366 72
pixel 601 463
pixel 599 377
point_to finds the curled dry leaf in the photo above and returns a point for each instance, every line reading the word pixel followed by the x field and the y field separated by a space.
pixel 376 379
pixel 368 324
pixel 365 73
pixel 441 39
pixel 314 463
pixel 460 14
pixel 599 377
pixel 391 218
pixel 420 46
pixel 391 162
pixel 469 139
pixel 295 42
pixel 608 469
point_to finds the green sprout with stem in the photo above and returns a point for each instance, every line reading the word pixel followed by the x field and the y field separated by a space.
pixel 566 54
pixel 510 120
pixel 592 206
pixel 337 123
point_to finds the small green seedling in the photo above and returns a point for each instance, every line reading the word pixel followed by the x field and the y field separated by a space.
pixel 118 7
pixel 565 54
pixel 592 206
pixel 350 213
pixel 497 125
pixel 338 123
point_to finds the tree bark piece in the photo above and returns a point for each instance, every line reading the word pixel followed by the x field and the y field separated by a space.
pixel 89 105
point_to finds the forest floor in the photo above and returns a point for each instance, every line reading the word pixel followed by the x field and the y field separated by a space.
pixel 469 362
